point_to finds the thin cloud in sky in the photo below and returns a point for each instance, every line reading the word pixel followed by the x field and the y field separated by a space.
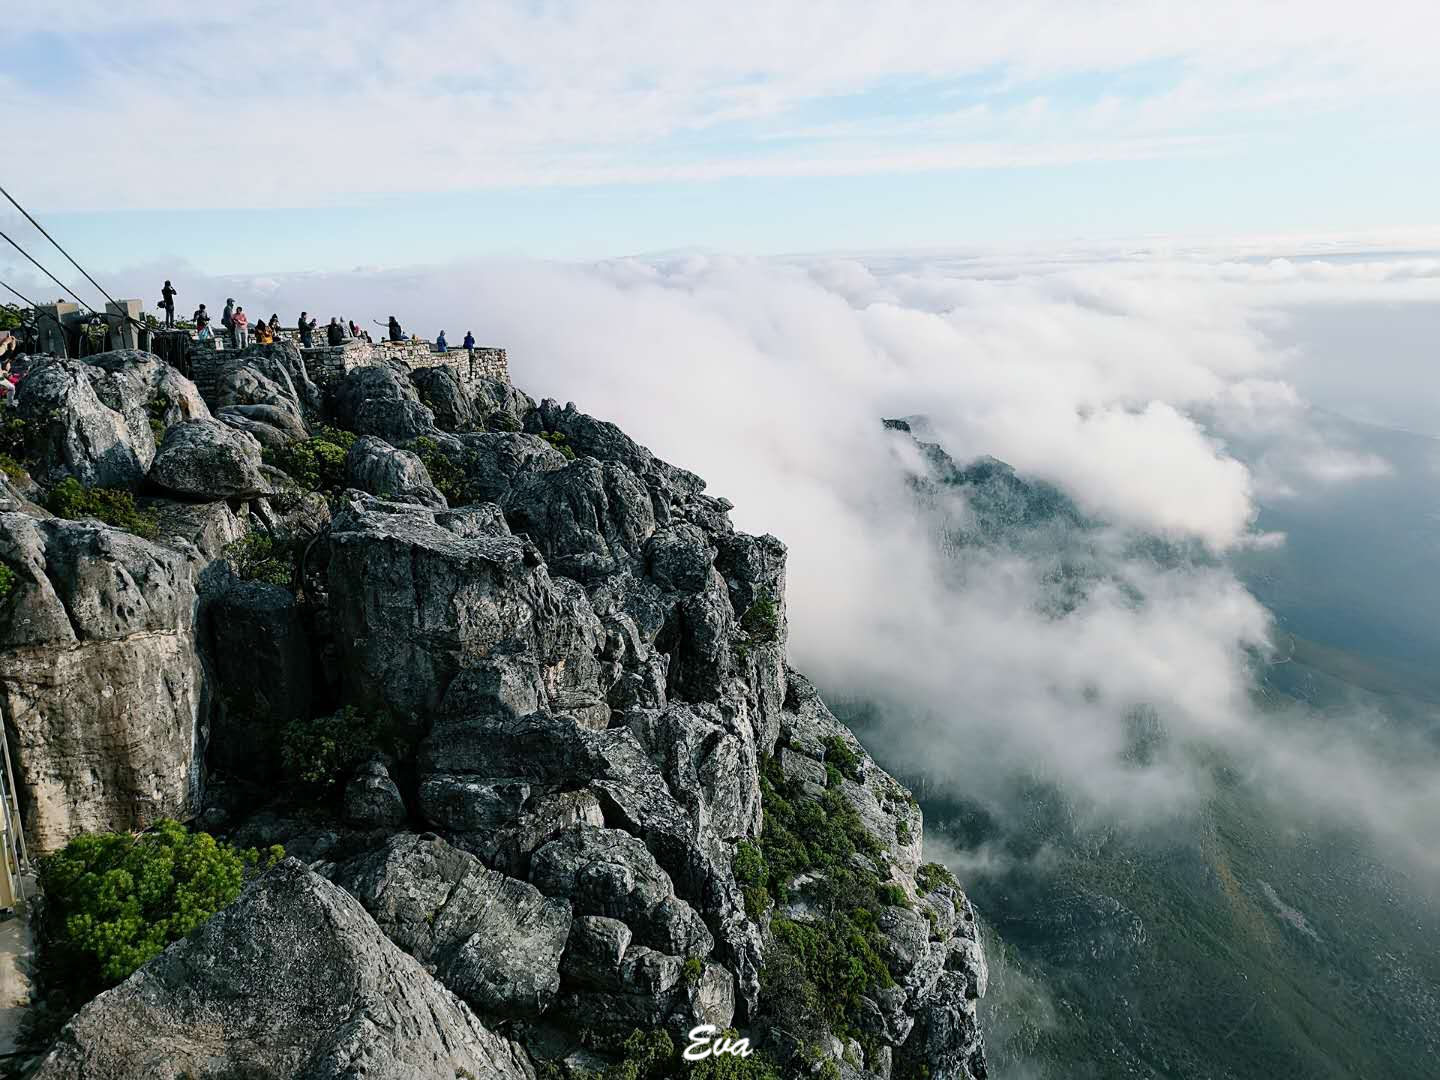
pixel 257 104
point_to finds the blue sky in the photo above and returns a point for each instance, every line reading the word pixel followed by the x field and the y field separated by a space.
pixel 361 135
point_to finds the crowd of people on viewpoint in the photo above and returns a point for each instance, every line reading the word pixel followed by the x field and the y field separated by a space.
pixel 239 330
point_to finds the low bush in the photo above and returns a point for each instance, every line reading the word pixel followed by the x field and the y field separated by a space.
pixel 558 441
pixel 447 476
pixel 317 463
pixel 256 557
pixel 762 621
pixel 7 582
pixel 933 875
pixel 320 752
pixel 816 973
pixel 838 754
pixel 113 900
pixel 113 506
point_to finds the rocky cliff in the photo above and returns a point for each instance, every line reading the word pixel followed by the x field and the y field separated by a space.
pixel 583 804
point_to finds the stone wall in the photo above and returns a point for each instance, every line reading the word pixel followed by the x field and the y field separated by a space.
pixel 328 364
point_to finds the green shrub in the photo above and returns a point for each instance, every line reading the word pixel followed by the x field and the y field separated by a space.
pixel 902 831
pixel 500 420
pixel 257 558
pixel 819 972
pixel 933 875
pixel 892 895
pixel 317 463
pixel 11 317
pixel 840 956
pixel 12 436
pixel 749 864
pixel 113 506
pixel 648 1055
pixel 7 581
pixel 757 1066
pixel 447 476
pixel 762 620
pixel 840 755
pixel 558 441
pixel 693 970
pixel 13 470
pixel 113 901
pixel 320 752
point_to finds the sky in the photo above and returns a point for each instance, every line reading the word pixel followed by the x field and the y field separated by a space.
pixel 256 136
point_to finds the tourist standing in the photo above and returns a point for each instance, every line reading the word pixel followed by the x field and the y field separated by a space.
pixel 396 334
pixel 307 331
pixel 201 318
pixel 167 301
pixel 470 351
pixel 440 345
pixel 274 324
pixel 335 333
pixel 240 328
pixel 227 317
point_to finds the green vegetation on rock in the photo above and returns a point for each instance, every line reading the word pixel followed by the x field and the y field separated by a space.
pixel 7 581
pixel 445 474
pixel 114 901
pixel 256 557
pixel 816 972
pixel 762 621
pixel 558 441
pixel 317 463
pixel 113 506
pixel 320 752
pixel 842 757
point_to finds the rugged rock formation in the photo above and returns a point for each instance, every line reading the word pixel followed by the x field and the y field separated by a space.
pixel 643 819
pixel 493 940
pixel 92 418
pixel 294 981
pixel 101 688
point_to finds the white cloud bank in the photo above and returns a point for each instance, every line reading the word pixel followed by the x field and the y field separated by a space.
pixel 1123 382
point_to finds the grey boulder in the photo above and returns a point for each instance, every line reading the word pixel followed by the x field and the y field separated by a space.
pixel 207 460
pixel 495 941
pixel 375 466
pixel 294 981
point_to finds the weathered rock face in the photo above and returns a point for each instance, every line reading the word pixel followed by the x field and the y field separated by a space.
pixel 375 466
pixel 91 418
pixel 100 683
pixel 265 390
pixel 260 659
pixel 294 981
pixel 378 401
pixel 452 403
pixel 419 596
pixel 493 940
pixel 372 799
pixel 209 460
pixel 582 677
pixel 71 432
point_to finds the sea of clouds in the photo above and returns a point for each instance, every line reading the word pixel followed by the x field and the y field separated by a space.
pixel 1126 377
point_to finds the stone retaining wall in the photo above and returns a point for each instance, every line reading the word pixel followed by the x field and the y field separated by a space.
pixel 328 364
